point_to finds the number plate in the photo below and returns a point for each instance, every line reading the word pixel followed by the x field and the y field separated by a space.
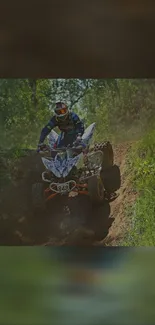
pixel 63 187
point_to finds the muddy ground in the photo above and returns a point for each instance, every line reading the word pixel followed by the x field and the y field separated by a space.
pixel 105 225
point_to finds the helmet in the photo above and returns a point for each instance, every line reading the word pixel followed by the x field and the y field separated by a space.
pixel 61 111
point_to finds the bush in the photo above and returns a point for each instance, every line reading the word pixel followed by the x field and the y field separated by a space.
pixel 142 214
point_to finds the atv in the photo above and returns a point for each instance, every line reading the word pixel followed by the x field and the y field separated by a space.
pixel 77 170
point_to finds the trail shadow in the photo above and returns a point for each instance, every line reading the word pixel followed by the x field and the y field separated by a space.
pixel 19 225
pixel 86 222
pixel 68 214
pixel 71 220
pixel 62 219
pixel 100 220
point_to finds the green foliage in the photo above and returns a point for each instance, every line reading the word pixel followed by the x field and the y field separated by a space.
pixel 122 109
pixel 69 90
pixel 26 104
pixel 72 90
pixel 142 213
pixel 20 120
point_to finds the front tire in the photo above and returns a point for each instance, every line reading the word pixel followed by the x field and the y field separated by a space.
pixel 112 179
pixel 96 189
pixel 108 155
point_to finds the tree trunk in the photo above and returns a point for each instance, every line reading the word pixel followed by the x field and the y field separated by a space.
pixel 33 85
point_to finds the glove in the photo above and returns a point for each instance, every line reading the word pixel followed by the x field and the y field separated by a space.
pixel 78 139
pixel 41 147
pixel 79 142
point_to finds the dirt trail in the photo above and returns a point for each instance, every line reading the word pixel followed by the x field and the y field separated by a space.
pixel 18 226
pixel 126 196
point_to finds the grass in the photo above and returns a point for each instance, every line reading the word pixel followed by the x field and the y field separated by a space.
pixel 142 213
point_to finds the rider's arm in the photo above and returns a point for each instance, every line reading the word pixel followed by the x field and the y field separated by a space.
pixel 79 125
pixel 47 129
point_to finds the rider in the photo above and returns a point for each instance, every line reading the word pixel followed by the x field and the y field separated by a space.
pixel 70 125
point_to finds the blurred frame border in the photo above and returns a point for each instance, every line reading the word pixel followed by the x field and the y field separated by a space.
pixel 88 39
pixel 85 39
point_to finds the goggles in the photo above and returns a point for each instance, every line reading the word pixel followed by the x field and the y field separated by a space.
pixel 61 111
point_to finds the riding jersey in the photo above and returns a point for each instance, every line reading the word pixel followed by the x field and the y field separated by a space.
pixel 71 126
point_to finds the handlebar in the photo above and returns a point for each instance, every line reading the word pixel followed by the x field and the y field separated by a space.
pixel 62 149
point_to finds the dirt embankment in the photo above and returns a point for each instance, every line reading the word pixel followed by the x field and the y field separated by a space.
pixel 126 197
pixel 19 226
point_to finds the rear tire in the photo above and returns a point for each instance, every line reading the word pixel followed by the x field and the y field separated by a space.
pixel 38 197
pixel 96 189
pixel 112 179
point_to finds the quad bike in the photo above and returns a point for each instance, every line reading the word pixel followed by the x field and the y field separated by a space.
pixel 77 170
